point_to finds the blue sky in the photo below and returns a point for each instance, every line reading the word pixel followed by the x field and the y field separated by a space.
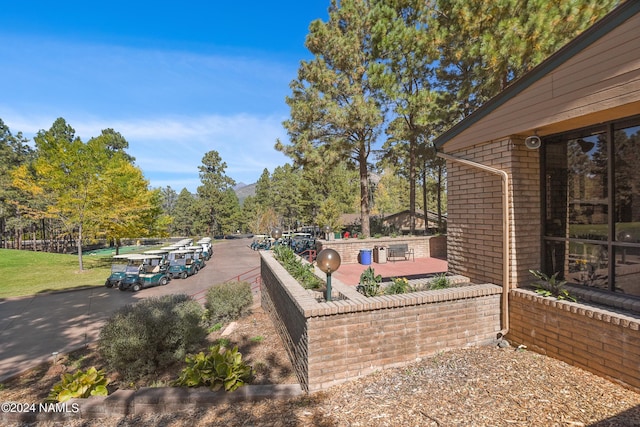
pixel 176 79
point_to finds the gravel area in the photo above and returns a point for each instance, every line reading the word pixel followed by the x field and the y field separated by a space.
pixel 462 387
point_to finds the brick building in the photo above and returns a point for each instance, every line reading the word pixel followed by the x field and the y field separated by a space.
pixel 575 200
pixel 545 176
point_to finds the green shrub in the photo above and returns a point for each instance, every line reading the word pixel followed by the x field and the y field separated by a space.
pixel 399 285
pixel 80 384
pixel 228 301
pixel 552 286
pixel 369 283
pixel 441 281
pixel 300 271
pixel 284 254
pixel 139 339
pixel 214 327
pixel 219 368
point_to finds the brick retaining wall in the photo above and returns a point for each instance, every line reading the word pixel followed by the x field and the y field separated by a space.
pixel 332 342
pixel 604 342
pixel 161 400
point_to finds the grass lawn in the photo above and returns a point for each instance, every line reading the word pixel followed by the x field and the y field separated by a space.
pixel 28 273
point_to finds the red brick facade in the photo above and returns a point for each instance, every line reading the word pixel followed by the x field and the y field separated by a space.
pixel 474 235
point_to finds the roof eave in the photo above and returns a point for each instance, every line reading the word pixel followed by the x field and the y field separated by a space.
pixel 609 22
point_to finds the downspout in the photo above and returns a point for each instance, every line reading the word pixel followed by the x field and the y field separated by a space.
pixel 505 233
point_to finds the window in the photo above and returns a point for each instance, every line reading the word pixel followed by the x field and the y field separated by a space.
pixel 592 206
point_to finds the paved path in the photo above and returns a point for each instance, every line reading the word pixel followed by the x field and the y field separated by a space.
pixel 32 328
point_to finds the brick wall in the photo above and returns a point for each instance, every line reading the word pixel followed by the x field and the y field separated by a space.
pixel 474 217
pixel 604 342
pixel 423 246
pixel 332 342
pixel 283 298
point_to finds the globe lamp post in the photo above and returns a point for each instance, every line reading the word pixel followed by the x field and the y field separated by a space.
pixel 326 230
pixel 276 234
pixel 328 261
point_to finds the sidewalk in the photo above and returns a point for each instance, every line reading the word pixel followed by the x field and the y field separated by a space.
pixel 349 274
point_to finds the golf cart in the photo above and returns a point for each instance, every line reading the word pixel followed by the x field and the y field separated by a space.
pixel 198 256
pixel 152 271
pixel 182 244
pixel 162 252
pixel 262 242
pixel 207 249
pixel 302 242
pixel 132 270
pixel 182 264
pixel 118 271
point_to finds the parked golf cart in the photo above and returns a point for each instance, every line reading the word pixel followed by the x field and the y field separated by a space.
pixel 132 270
pixel 182 264
pixel 198 256
pixel 162 252
pixel 182 244
pixel 262 242
pixel 207 249
pixel 302 243
pixel 118 271
pixel 152 271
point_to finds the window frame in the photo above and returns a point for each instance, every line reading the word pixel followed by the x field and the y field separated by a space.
pixel 611 244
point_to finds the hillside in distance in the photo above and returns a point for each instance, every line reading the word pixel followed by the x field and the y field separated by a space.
pixel 244 190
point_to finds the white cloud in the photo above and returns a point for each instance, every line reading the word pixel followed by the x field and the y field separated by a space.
pixel 170 149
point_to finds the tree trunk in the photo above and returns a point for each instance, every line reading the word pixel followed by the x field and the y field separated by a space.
pixel 19 238
pixel 412 187
pixel 439 197
pixel 79 246
pixel 424 198
pixel 364 194
pixel 45 244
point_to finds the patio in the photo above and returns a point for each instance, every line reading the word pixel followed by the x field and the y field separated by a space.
pixel 349 274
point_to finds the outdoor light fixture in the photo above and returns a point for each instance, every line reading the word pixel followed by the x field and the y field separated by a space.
pixel 326 230
pixel 328 261
pixel 533 142
pixel 276 233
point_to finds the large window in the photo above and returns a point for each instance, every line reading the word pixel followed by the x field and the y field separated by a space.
pixel 592 206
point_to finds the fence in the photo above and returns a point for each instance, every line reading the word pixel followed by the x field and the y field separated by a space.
pixel 252 276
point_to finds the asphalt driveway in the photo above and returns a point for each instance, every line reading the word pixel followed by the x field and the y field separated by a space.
pixel 33 328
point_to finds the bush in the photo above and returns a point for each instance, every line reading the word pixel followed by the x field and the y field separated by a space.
pixel 140 339
pixel 441 281
pixel 369 283
pixel 221 367
pixel 399 285
pixel 552 286
pixel 228 301
pixel 300 271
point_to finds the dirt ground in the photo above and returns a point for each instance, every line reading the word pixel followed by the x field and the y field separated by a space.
pixel 465 387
